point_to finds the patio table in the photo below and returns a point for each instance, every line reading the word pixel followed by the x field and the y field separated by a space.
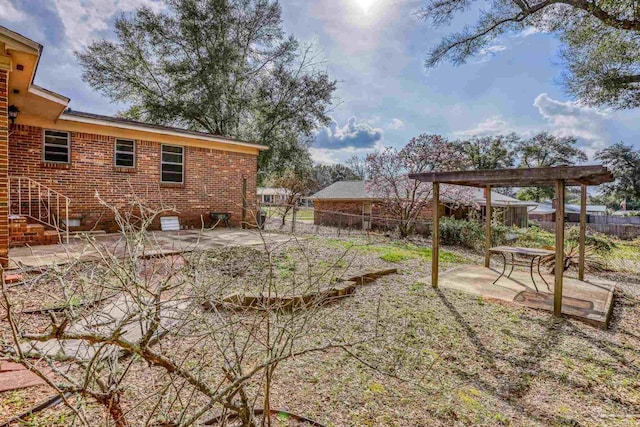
pixel 533 253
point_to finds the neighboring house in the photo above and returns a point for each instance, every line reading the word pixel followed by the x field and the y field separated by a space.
pixel 512 212
pixel 349 204
pixel 546 211
pixel 345 204
pixel 271 196
pixel 50 153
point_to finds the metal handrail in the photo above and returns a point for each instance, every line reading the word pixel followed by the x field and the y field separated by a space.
pixel 44 212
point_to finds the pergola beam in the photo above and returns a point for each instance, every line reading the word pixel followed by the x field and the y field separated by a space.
pixel 435 235
pixel 559 261
pixel 520 176
pixel 487 237
pixel 583 231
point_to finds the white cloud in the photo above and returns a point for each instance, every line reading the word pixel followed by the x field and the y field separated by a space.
pixel 9 12
pixel 489 52
pixel 352 135
pixel 529 31
pixel 84 20
pixel 395 124
pixel 572 119
pixel 323 156
pixel 492 126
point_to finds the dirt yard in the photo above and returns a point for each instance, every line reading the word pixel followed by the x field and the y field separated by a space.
pixel 417 356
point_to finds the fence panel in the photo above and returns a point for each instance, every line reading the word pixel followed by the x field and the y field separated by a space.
pixel 609 219
pixel 314 221
pixel 621 231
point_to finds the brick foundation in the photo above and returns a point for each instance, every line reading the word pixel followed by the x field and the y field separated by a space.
pixel 4 181
pixel 213 179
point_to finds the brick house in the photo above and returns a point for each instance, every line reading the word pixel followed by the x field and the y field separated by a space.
pixel 58 159
pixel 349 204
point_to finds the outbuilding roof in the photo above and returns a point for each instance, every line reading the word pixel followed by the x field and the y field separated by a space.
pixel 357 190
pixel 344 190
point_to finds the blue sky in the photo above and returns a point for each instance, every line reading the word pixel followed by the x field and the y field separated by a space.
pixel 375 49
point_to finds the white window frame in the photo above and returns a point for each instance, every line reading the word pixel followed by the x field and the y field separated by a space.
pixel 44 146
pixel 116 152
pixel 162 162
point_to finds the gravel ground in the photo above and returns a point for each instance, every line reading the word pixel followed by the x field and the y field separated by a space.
pixel 427 357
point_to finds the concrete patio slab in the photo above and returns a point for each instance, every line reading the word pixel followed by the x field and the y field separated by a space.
pixel 589 301
pixel 165 242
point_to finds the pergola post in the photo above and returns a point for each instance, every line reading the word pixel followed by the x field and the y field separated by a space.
pixel 583 230
pixel 435 235
pixel 559 264
pixel 487 238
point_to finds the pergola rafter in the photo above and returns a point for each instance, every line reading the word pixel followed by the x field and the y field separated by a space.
pixel 559 177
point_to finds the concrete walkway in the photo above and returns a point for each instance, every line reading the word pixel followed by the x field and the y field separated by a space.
pixel 590 301
pixel 165 241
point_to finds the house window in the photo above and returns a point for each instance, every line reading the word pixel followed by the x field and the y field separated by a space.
pixel 125 153
pixel 57 146
pixel 172 164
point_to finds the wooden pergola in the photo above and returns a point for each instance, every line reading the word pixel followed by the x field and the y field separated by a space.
pixel 559 177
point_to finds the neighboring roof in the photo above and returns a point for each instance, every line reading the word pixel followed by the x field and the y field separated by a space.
pixel 547 208
pixel 498 199
pixel 80 116
pixel 344 190
pixel 543 209
pixel 521 177
pixel 270 191
pixel 590 208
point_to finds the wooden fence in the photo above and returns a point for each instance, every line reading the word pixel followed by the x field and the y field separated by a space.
pixel 621 231
pixel 609 219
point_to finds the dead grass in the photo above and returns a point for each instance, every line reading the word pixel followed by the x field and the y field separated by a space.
pixel 442 358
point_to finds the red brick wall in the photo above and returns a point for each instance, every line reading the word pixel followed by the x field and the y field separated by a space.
pixel 325 213
pixel 212 178
pixel 4 126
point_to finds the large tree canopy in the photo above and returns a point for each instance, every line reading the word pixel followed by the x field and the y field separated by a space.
pixel 601 40
pixel 220 66
pixel 547 150
pixel 489 152
pixel 325 175
pixel 624 162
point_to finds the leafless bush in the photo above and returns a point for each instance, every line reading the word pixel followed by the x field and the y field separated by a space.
pixel 126 328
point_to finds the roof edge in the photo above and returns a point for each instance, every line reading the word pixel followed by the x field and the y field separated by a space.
pixel 145 127
pixel 19 38
pixel 49 94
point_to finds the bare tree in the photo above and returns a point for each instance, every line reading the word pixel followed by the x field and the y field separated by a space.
pixel 206 341
pixel 358 165
pixel 406 199
pixel 293 184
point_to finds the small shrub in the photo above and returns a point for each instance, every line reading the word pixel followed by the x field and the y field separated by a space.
pixel 535 237
pixel 601 243
pixel 470 233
